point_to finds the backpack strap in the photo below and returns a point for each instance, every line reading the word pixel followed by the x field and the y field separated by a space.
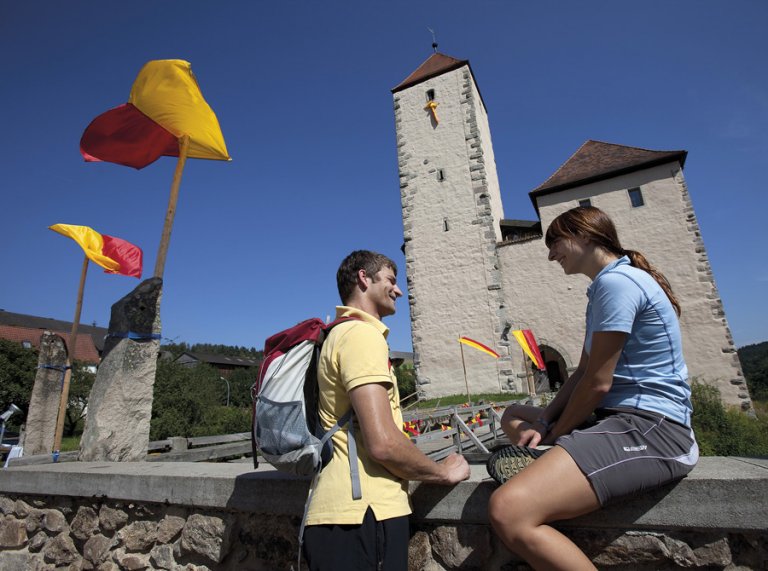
pixel 354 470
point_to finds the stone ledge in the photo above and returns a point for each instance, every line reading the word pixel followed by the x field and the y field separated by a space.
pixel 720 493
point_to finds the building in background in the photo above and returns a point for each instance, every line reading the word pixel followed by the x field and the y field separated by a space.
pixel 472 272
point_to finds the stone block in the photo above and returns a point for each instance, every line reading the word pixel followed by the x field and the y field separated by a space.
pixel 85 523
pixel 96 549
pixel 464 547
pixel 60 550
pixel 162 556
pixel 46 392
pixel 208 536
pixel 169 527
pixel 138 536
pixel 111 519
pixel 120 405
pixel 54 521
pixel 13 533
pixel 37 542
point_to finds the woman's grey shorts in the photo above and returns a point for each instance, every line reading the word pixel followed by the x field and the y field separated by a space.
pixel 629 451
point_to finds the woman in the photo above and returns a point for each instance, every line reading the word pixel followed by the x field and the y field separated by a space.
pixel 620 424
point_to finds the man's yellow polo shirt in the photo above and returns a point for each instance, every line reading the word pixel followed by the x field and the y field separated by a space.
pixel 355 354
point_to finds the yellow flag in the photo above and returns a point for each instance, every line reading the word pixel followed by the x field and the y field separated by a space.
pixel 166 91
pixel 90 241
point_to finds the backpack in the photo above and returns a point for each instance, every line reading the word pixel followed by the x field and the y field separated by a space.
pixel 286 426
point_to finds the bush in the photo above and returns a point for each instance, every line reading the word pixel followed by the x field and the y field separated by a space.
pixel 725 432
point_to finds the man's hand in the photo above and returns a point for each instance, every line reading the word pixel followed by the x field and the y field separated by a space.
pixel 456 469
pixel 531 435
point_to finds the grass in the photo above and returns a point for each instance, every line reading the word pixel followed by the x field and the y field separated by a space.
pixel 452 400
pixel 69 443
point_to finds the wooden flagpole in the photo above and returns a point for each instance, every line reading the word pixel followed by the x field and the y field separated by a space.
pixel 464 366
pixel 165 239
pixel 71 346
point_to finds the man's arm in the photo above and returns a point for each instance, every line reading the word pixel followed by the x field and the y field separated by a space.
pixel 387 445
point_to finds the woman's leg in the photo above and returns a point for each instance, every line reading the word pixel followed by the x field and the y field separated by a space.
pixel 514 416
pixel 551 489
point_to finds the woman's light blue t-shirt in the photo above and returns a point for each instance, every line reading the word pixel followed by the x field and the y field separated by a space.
pixel 651 373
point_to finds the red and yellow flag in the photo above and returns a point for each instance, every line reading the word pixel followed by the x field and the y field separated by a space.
pixel 165 103
pixel 115 255
pixel 479 346
pixel 528 342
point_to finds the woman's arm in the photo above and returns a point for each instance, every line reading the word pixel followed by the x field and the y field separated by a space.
pixel 593 385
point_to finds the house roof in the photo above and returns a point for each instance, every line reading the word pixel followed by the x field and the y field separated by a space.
pixel 436 64
pixel 597 160
pixel 63 328
pixel 84 351
pixel 214 359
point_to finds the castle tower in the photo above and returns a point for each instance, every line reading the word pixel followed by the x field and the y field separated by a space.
pixel 451 220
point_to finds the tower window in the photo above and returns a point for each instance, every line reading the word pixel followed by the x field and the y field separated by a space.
pixel 440 175
pixel 445 225
pixel 430 94
pixel 636 197
pixel 585 202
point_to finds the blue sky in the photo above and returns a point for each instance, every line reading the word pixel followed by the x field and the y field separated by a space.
pixel 302 93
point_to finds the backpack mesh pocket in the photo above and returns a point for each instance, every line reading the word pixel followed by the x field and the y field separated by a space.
pixel 288 427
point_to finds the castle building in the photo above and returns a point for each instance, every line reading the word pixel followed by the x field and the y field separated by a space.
pixel 470 271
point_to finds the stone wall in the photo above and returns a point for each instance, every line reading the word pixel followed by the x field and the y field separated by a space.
pixel 223 517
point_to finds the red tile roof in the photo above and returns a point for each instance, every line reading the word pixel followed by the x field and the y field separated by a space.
pixel 596 160
pixel 435 65
pixel 85 350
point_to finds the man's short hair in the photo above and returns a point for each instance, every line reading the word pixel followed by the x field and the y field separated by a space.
pixel 371 262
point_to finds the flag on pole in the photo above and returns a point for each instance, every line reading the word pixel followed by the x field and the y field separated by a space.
pixel 115 255
pixel 165 103
pixel 479 346
pixel 528 342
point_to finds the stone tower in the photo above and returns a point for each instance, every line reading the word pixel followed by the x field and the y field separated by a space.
pixel 451 217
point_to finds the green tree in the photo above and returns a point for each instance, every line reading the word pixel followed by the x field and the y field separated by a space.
pixel 18 367
pixel 80 386
pixel 406 379
pixel 754 362
pixel 725 432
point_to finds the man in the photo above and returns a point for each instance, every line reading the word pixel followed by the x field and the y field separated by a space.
pixel 354 371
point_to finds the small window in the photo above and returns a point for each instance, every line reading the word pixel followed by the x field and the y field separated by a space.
pixel 636 197
pixel 26 344
pixel 440 175
pixel 430 95
pixel 585 203
pixel 445 225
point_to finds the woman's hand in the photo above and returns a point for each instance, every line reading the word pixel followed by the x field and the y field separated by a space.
pixel 531 435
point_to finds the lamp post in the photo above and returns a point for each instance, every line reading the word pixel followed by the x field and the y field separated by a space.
pixel 4 417
pixel 226 381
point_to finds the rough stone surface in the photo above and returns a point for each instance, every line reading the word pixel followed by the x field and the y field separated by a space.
pixel 7 505
pixel 139 536
pixel 85 523
pixel 60 550
pixel 15 561
pixel 170 526
pixel 13 532
pixel 162 556
pixel 37 541
pixel 96 549
pixel 120 405
pixel 46 393
pixel 54 521
pixel 207 536
pixel 111 518
pixel 465 547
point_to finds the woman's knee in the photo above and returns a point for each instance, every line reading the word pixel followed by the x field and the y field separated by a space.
pixel 506 505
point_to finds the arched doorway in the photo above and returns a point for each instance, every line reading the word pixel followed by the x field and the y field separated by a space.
pixel 557 371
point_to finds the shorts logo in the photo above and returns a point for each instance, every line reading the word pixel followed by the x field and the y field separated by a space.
pixel 635 448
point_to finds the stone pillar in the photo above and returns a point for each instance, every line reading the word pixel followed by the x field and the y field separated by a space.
pixel 120 405
pixel 44 402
